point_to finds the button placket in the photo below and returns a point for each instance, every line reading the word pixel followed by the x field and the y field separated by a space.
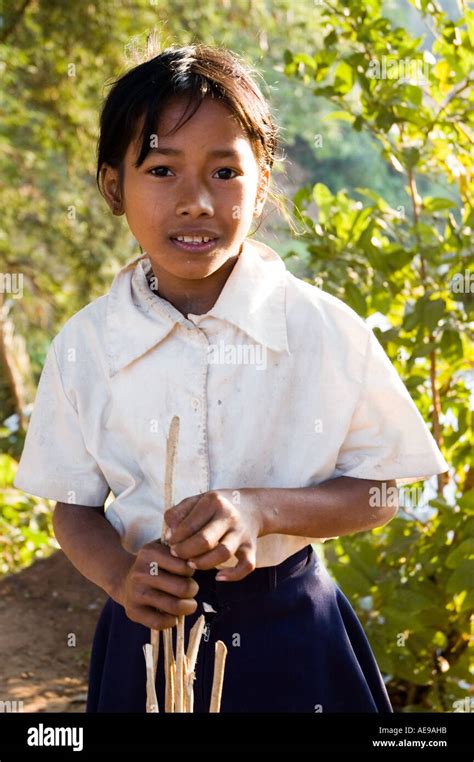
pixel 199 405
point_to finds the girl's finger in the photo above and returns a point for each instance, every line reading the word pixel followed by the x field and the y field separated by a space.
pixel 179 586
pixel 167 604
pixel 152 619
pixel 203 541
pixel 246 565
pixel 177 513
pixel 224 550
pixel 154 556
pixel 200 514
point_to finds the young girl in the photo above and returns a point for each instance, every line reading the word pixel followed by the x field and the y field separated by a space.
pixel 291 415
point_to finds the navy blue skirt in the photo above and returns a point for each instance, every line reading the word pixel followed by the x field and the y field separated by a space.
pixel 294 645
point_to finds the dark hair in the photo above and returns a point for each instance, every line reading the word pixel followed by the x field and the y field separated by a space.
pixel 195 71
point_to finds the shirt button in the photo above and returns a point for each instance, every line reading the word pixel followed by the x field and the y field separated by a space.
pixel 195 403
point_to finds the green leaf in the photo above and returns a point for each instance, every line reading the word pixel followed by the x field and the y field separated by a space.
pixel 343 78
pixel 330 38
pixel 414 94
pixel 380 301
pixel 439 639
pixel 412 318
pixel 342 116
pixel 423 350
pixel 432 204
pixel 352 580
pixel 451 345
pixel 7 470
pixel 463 552
pixel 413 381
pixel 322 196
pixel 469 15
pixel 468 602
pixel 355 298
pixel 411 156
pixel 307 60
pixel 466 502
pixel 432 312
pixel 462 578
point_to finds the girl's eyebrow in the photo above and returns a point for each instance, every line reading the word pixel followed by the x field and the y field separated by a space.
pixel 222 153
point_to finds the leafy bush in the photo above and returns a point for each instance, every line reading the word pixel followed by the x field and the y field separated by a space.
pixel 409 269
pixel 26 532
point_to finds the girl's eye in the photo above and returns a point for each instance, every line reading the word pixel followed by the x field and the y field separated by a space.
pixel 227 169
pixel 159 173
pixel 155 169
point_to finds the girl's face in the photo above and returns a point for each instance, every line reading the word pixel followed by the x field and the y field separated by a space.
pixel 203 178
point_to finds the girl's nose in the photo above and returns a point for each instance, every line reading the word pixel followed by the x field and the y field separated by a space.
pixel 195 200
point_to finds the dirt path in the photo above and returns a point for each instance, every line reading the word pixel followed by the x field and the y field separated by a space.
pixel 48 614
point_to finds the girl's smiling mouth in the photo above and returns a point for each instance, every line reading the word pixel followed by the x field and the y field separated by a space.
pixel 194 242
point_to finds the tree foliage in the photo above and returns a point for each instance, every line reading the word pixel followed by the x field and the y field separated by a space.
pixel 408 268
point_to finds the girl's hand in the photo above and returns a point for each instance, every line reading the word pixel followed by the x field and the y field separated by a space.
pixel 157 588
pixel 208 529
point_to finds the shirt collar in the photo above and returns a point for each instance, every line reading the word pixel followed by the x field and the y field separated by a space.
pixel 253 299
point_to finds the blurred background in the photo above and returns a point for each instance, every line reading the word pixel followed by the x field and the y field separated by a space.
pixel 375 106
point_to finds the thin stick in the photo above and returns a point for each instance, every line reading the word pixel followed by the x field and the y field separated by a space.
pixel 151 699
pixel 188 687
pixel 218 679
pixel 169 670
pixel 170 666
pixel 173 681
pixel 180 666
pixel 171 449
pixel 194 642
pixel 155 644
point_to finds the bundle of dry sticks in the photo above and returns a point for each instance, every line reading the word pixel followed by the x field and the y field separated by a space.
pixel 180 669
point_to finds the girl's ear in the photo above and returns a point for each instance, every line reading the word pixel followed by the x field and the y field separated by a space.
pixel 262 191
pixel 110 184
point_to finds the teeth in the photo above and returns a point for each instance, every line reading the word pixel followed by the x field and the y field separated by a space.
pixel 193 239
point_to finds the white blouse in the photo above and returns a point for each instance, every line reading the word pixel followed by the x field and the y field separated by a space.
pixel 279 384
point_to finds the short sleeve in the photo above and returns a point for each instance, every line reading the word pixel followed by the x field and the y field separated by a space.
pixel 55 462
pixel 387 436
